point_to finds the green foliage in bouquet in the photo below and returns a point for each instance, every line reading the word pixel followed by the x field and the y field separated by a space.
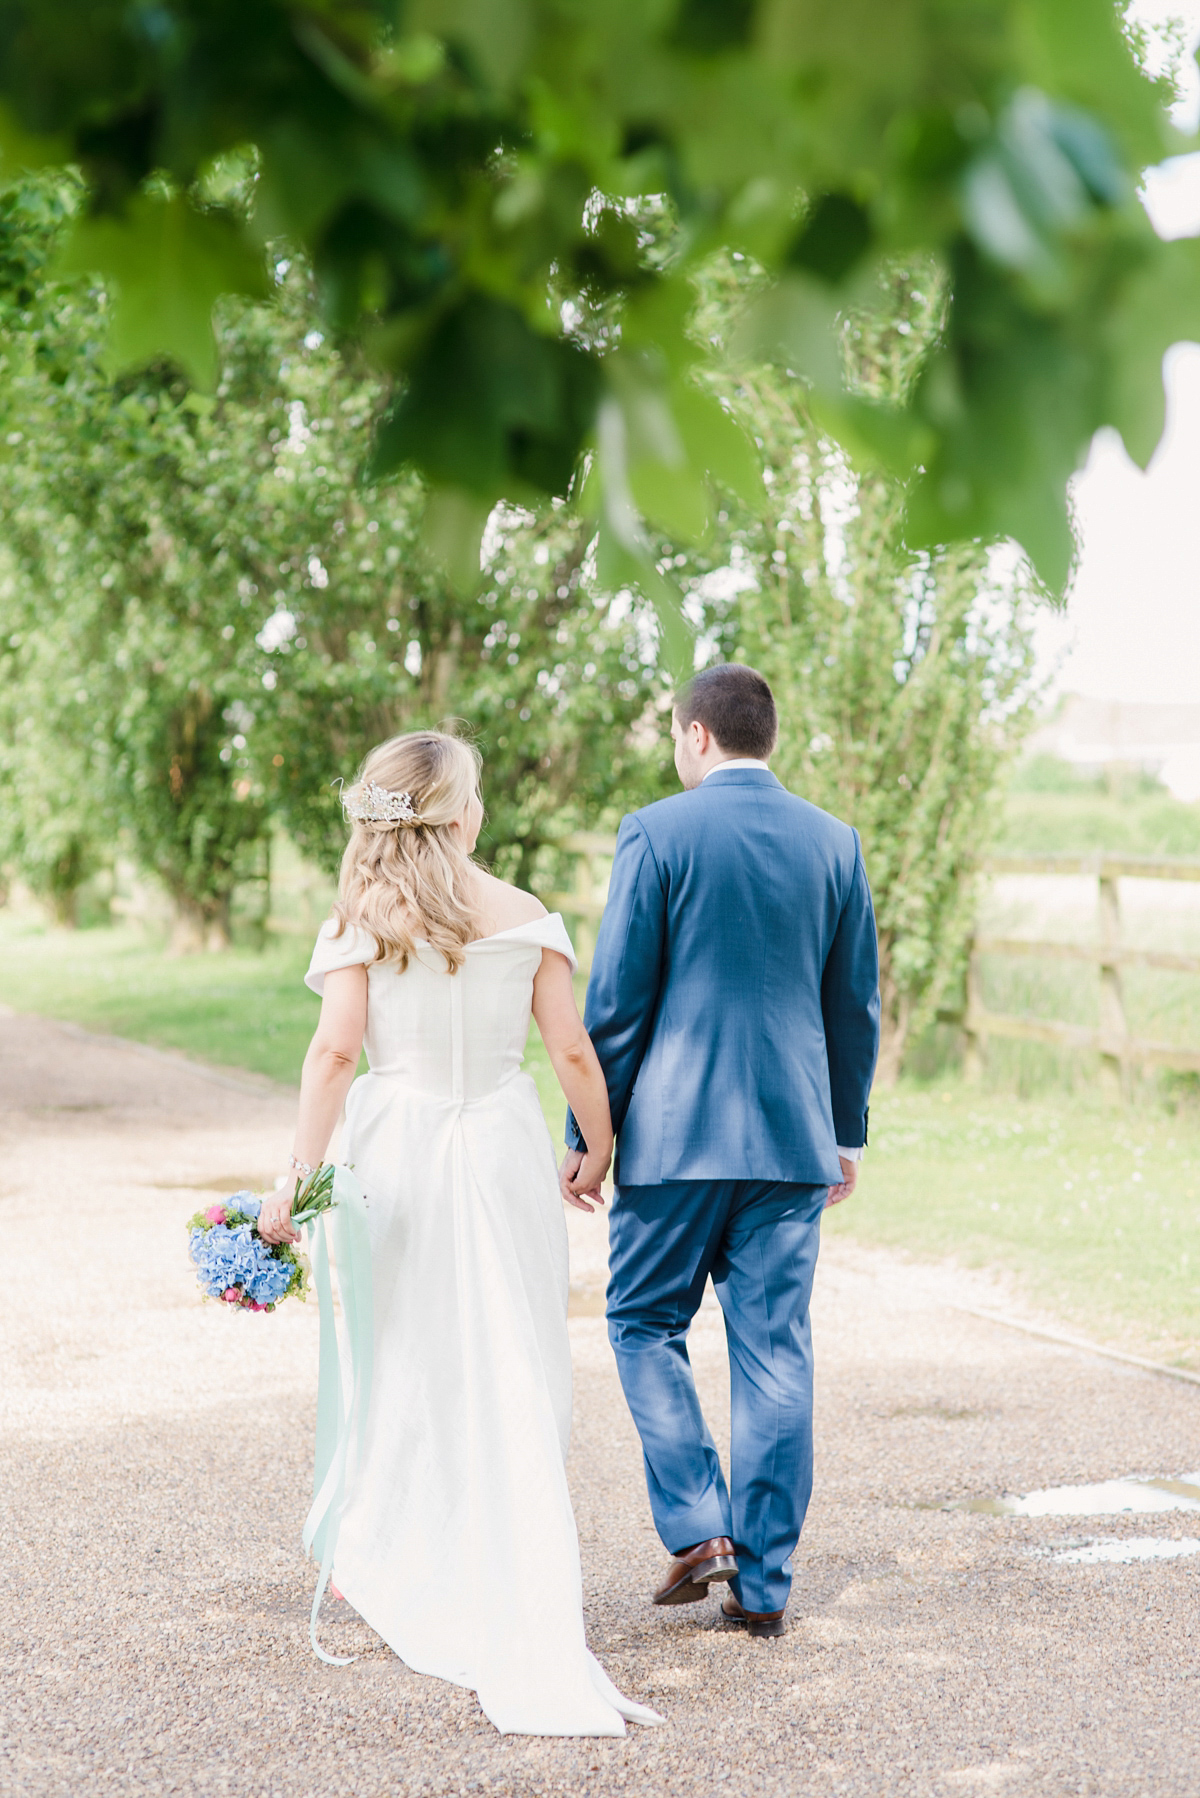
pixel 314 1194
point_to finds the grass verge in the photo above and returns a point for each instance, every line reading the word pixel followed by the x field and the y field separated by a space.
pixel 240 1008
pixel 1095 1209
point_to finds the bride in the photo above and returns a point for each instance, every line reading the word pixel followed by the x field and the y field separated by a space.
pixel 458 1541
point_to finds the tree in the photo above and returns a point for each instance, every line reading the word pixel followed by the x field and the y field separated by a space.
pixel 210 618
pixel 903 678
pixel 468 175
pixel 120 667
pixel 48 823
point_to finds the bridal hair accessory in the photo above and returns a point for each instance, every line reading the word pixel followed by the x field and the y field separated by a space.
pixel 376 805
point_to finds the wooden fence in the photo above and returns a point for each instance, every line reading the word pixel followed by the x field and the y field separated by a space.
pixel 1119 1051
pixel 583 905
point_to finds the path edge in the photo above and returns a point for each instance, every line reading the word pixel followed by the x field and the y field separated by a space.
pixel 1079 1342
pixel 244 1081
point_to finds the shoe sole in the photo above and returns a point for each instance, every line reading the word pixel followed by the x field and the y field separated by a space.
pixel 762 1630
pixel 694 1586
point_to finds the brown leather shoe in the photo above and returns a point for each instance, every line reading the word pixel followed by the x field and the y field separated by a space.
pixel 758 1623
pixel 690 1572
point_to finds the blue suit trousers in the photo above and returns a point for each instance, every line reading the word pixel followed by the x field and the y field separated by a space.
pixel 758 1239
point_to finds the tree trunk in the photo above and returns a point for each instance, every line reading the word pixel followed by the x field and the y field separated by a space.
pixel 199 925
pixel 892 1038
pixel 63 881
pixel 895 1010
pixel 218 936
pixel 443 668
pixel 64 903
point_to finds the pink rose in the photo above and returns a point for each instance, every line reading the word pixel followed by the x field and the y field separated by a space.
pixel 232 1295
pixel 215 1214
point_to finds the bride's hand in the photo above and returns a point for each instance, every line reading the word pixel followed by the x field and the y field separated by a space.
pixel 274 1220
pixel 579 1178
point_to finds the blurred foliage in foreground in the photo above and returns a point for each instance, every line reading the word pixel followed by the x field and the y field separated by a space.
pixel 468 178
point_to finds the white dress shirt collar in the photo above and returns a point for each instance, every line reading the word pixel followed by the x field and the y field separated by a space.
pixel 737 761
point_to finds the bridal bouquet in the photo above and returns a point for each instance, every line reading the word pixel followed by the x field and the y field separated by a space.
pixel 233 1262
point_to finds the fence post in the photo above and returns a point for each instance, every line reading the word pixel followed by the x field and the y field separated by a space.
pixel 976 1053
pixel 1114 1031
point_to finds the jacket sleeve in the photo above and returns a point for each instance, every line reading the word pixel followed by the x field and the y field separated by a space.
pixel 627 970
pixel 850 1007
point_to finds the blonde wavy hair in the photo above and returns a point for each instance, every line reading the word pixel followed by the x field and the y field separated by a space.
pixel 400 873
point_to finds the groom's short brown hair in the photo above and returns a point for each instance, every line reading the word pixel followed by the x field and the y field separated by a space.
pixel 734 703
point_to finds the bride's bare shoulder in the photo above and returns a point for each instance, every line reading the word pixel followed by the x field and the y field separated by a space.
pixel 505 906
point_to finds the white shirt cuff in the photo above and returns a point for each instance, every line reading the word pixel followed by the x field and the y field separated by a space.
pixel 849 1154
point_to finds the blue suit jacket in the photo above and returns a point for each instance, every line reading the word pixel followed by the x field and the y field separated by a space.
pixel 734 995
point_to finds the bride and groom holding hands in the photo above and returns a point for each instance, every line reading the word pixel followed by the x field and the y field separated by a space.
pixel 730 1041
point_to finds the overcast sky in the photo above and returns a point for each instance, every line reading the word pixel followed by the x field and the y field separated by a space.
pixel 1132 625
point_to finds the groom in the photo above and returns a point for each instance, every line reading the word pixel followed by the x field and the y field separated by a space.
pixel 734 1005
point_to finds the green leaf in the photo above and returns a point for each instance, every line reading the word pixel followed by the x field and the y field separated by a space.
pixel 672 496
pixel 420 172
pixel 491 405
pixel 1009 433
pixel 21 149
pixel 655 321
pixel 875 434
pixel 624 557
pixel 617 566
pixel 167 264
pixel 833 239
pixel 794 323
pixel 1160 306
pixel 643 453
pixel 716 443
pixel 451 533
pixel 497 33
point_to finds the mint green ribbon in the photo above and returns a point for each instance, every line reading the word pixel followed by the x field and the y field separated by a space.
pixel 340 1429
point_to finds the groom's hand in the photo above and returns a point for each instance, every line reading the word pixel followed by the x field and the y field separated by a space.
pixel 583 1201
pixel 846 1185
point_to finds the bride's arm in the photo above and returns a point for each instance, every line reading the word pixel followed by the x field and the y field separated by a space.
pixel 579 1074
pixel 329 1067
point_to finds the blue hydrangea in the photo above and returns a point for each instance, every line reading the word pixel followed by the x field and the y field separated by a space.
pixel 227 1257
pixel 270 1279
pixel 248 1203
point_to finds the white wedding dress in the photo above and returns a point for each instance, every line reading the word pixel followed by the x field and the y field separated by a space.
pixel 458 1542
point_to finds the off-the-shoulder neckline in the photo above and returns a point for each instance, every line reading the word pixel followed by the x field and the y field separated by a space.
pixel 496 935
pixel 516 929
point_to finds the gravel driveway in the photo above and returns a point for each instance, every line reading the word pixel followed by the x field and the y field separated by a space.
pixel 155 1461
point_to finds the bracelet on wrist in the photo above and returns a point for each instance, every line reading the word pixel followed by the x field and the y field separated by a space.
pixel 301 1167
